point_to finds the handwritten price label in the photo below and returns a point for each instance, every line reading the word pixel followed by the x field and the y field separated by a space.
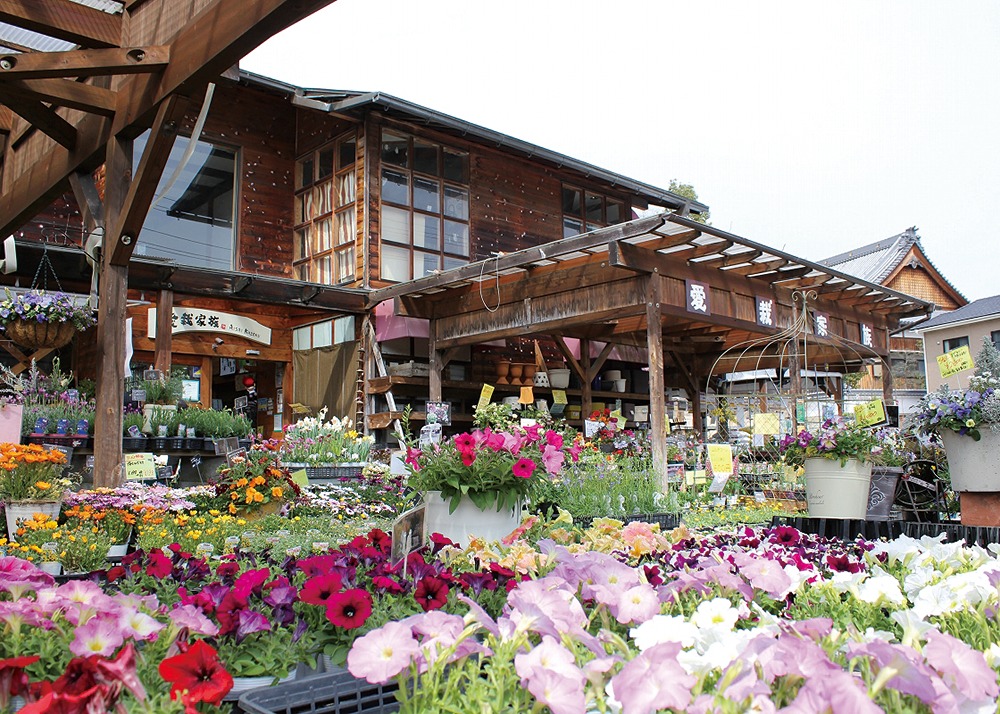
pixel 870 413
pixel 958 360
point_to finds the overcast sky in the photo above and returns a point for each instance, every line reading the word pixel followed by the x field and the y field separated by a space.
pixel 815 127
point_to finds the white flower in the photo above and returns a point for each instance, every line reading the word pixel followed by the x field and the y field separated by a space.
pixel 664 628
pixel 880 590
pixel 993 655
pixel 913 626
pixel 717 613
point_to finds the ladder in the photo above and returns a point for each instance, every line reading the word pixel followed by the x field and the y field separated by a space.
pixel 385 385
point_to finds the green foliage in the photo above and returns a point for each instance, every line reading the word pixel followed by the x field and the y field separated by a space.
pixel 617 488
pixel 686 190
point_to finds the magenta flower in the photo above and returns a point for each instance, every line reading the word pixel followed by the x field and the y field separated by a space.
pixel 319 589
pixel 552 459
pixel 465 442
pixel 554 438
pixel 524 468
pixel 383 653
pixel 349 609
pixel 250 621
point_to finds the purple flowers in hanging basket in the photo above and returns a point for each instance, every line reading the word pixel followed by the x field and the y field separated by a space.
pixel 42 306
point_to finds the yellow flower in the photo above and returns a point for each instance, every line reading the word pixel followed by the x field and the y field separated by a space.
pixel 43 485
pixel 276 492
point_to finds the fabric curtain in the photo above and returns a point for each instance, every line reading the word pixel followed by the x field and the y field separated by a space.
pixel 327 376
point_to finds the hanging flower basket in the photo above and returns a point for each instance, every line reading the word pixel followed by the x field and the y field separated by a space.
pixel 40 335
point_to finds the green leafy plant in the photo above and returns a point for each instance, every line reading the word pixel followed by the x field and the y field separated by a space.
pixel 834 440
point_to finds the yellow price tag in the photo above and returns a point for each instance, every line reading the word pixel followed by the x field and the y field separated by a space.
pixel 527 396
pixel 139 467
pixel 870 413
pixel 619 419
pixel 720 456
pixel 958 360
pixel 765 424
pixel 485 395
pixel 300 478
pixel 559 396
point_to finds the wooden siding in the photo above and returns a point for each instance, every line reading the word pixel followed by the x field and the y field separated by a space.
pixel 918 283
pixel 260 125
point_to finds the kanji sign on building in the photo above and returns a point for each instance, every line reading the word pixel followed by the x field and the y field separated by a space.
pixel 765 312
pixel 822 324
pixel 195 319
pixel 698 297
pixel 866 335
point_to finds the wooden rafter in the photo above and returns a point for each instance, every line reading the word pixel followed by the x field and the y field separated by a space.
pixel 121 241
pixel 67 93
pixel 64 20
pixel 209 44
pixel 83 63
pixel 42 117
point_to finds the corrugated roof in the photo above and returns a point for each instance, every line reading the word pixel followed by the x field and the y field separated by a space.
pixel 875 261
pixel 984 307
pixel 14 38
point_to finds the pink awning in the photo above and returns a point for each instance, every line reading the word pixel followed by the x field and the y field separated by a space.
pixel 390 326
pixel 625 353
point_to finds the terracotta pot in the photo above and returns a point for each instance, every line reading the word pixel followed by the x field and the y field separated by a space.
pixel 516 370
pixel 503 369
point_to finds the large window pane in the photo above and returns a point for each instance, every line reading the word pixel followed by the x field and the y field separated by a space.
pixel 616 212
pixel 456 203
pixel 305 173
pixel 450 263
pixel 347 153
pixel 394 149
pixel 593 207
pixel 325 165
pixel 395 188
pixel 395 225
pixel 424 263
pixel 192 224
pixel 571 201
pixel 426 196
pixel 426 232
pixel 571 227
pixel 323 235
pixel 456 238
pixel 345 265
pixel 301 250
pixel 425 157
pixel 345 226
pixel 456 166
pixel 345 189
pixel 395 263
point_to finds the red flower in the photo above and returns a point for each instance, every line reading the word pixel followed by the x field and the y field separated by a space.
pixel 80 676
pixel 122 669
pixel 319 589
pixel 380 539
pixel 115 573
pixel 439 541
pixel 386 584
pixel 431 593
pixel 13 680
pixel 524 468
pixel 349 609
pixel 468 458
pixel 94 699
pixel 159 565
pixel 317 565
pixel 199 673
pixel 465 443
pixel 228 569
pixel 252 581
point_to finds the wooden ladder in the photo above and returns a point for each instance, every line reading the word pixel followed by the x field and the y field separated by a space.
pixel 384 387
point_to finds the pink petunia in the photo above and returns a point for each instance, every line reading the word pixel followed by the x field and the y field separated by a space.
pixel 383 653
pixel 560 693
pixel 100 635
pixel 554 438
pixel 524 468
pixel 652 681
pixel 962 668
pixel 637 604
pixel 552 459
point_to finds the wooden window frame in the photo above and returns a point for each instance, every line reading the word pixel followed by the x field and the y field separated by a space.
pixel 315 259
pixel 442 254
pixel 586 224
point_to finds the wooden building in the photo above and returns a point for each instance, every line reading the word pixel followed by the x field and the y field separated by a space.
pixel 286 232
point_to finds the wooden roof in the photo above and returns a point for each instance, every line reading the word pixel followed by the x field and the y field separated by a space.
pixel 596 285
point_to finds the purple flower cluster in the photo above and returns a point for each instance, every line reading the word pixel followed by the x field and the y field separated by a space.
pixel 958 410
pixel 41 306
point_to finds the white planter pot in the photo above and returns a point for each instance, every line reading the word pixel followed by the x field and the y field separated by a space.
pixel 467 520
pixel 974 465
pixel 559 378
pixel 245 684
pixel 51 567
pixel 147 415
pixel 24 510
pixel 835 491
pixel 119 550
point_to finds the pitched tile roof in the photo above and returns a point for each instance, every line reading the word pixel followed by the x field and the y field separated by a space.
pixel 984 307
pixel 874 262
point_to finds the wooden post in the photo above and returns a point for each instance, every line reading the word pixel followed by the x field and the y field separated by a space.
pixel 586 390
pixel 111 326
pixel 435 364
pixel 164 332
pixel 657 393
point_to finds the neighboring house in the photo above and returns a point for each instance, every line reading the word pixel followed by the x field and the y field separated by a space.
pixel 901 264
pixel 967 326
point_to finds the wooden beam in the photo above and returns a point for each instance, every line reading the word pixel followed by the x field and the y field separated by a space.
pixel 43 118
pixel 83 63
pixel 164 331
pixel 111 328
pixel 87 198
pixel 121 240
pixel 67 93
pixel 657 398
pixel 64 20
pixel 211 43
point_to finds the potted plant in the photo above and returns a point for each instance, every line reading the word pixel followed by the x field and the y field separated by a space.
pixel 967 421
pixel 326 449
pixel 476 483
pixel 837 463
pixel 31 481
pixel 132 437
pixel 255 482
pixel 163 391
pixel 38 319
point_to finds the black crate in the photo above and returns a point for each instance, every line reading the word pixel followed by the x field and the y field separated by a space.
pixel 335 692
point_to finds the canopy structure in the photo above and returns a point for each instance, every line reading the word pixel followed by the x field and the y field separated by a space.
pixel 680 289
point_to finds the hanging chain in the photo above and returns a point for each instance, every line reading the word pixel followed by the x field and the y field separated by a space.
pixel 43 270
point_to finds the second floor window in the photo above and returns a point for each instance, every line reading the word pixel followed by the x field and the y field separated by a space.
pixel 584 211
pixel 954 343
pixel 325 225
pixel 191 220
pixel 425 207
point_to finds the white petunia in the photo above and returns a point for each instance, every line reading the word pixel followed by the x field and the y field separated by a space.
pixel 717 613
pixel 664 628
